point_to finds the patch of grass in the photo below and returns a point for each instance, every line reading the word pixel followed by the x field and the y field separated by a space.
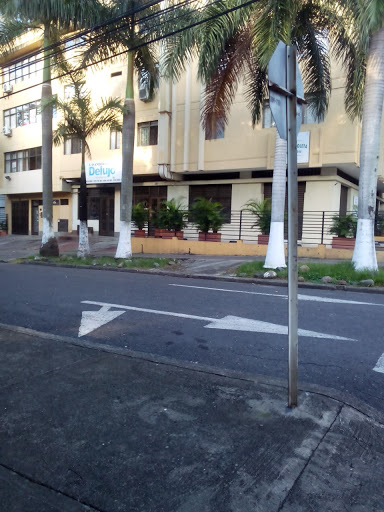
pixel 108 261
pixel 343 271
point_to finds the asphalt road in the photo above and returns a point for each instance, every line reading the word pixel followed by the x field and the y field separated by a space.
pixel 193 320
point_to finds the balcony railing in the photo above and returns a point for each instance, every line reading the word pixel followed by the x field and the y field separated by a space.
pixel 314 228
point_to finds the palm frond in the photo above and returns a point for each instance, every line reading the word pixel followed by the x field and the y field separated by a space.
pixel 222 85
pixel 349 45
pixel 181 48
pixel 272 22
pixel 10 29
pixel 313 52
pixel 256 87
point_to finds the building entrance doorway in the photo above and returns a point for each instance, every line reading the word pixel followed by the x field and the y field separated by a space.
pixel 107 215
pixel 101 207
pixel 151 197
pixel 20 218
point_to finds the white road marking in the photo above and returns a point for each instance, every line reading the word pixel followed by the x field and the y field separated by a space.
pixel 91 320
pixel 312 298
pixel 379 365
pixel 234 323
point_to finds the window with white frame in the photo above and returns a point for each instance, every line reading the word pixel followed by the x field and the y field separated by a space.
pixel 20 71
pixel 22 115
pixel 307 116
pixel 74 43
pixel 147 133
pixel 114 139
pixel 72 145
pixel 25 160
pixel 218 132
pixel 268 121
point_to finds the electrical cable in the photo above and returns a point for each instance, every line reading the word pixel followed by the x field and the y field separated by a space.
pixel 150 41
pixel 112 21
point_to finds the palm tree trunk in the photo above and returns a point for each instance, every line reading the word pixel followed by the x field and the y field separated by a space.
pixel 49 246
pixel 275 253
pixel 124 247
pixel 83 248
pixel 364 254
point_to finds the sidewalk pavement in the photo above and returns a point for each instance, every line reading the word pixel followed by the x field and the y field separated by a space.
pixel 22 246
pixel 92 428
pixel 86 427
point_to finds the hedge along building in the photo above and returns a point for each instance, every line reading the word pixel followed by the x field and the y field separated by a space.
pixel 173 158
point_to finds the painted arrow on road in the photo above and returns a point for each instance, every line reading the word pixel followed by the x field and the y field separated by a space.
pixel 91 320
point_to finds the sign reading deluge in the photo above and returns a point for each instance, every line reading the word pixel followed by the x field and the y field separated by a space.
pixel 103 172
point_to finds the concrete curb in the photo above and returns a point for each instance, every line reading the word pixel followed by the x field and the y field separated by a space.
pixel 250 280
pixel 330 393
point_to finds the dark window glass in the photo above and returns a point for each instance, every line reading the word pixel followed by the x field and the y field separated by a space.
pixel 218 132
pixel 147 133
pixel 218 193
pixel 72 145
pixel 18 161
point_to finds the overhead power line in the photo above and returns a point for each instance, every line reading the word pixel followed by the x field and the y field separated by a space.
pixel 143 43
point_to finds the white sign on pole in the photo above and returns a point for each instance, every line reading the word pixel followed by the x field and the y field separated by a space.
pixel 303 147
pixel 103 172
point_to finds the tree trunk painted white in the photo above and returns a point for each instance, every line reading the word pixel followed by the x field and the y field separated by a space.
pixel 83 247
pixel 124 247
pixel 49 246
pixel 364 254
pixel 275 252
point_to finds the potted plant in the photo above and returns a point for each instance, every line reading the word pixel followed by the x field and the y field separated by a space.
pixel 3 229
pixel 170 220
pixel 139 217
pixel 344 228
pixel 208 215
pixel 262 213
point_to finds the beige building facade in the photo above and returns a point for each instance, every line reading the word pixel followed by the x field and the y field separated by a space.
pixel 173 159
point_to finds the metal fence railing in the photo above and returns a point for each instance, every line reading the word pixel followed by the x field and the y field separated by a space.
pixel 314 227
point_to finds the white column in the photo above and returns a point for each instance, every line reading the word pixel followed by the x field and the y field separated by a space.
pixel 75 208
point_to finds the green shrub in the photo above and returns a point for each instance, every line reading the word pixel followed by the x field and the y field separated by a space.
pixel 171 216
pixel 344 225
pixel 139 215
pixel 207 215
pixel 262 211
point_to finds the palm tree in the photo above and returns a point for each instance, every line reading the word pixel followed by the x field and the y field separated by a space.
pixel 364 58
pixel 130 34
pixel 82 121
pixel 52 18
pixel 237 46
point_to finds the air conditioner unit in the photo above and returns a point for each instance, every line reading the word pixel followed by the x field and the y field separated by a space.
pixel 7 88
pixel 7 131
pixel 144 92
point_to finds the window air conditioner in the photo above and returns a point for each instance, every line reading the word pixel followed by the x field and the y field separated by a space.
pixel 7 131
pixel 144 92
pixel 7 88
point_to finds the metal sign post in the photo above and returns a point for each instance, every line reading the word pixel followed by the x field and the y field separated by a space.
pixel 292 229
pixel 286 96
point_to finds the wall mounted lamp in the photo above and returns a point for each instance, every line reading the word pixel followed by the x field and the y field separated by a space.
pixel 8 178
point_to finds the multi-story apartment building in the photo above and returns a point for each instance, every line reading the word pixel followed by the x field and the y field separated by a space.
pixel 173 158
